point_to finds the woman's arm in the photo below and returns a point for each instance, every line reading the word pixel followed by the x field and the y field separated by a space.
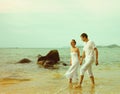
pixel 78 51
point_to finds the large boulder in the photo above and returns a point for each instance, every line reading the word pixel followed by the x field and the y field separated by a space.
pixel 50 59
pixel 25 60
pixel 48 64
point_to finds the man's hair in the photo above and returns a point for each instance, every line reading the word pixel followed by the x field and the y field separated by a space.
pixel 84 35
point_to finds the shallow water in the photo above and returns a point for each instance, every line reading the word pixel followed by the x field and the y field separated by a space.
pixel 32 79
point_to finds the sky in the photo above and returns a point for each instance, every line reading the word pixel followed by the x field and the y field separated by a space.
pixel 53 23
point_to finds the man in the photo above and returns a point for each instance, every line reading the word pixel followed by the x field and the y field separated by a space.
pixel 90 53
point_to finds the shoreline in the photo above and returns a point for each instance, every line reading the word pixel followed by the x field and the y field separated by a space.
pixel 53 82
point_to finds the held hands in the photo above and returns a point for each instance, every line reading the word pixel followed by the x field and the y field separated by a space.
pixel 80 62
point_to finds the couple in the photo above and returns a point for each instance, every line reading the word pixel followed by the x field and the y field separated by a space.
pixel 90 53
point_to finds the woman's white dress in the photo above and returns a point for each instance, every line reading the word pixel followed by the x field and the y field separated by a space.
pixel 73 70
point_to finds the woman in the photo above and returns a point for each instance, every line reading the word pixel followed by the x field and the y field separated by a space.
pixel 74 62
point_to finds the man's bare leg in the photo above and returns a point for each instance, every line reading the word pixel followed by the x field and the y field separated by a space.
pixel 92 80
pixel 81 79
pixel 70 83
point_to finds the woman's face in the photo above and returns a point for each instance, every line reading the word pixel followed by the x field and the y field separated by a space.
pixel 73 44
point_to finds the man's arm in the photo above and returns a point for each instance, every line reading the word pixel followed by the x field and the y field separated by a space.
pixel 70 58
pixel 96 53
pixel 83 56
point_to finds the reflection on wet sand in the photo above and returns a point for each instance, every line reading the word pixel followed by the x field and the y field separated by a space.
pixel 8 81
pixel 54 82
pixel 82 91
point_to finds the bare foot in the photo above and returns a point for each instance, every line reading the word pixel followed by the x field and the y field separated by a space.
pixel 77 86
pixel 70 85
pixel 93 85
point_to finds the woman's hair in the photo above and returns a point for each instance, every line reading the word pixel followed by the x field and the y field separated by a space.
pixel 84 35
pixel 74 41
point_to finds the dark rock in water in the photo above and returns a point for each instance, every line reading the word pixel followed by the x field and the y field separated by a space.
pixel 50 59
pixel 25 60
pixel 48 64
pixel 41 62
pixel 64 64
pixel 52 55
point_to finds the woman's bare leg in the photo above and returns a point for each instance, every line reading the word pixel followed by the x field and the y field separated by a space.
pixel 70 81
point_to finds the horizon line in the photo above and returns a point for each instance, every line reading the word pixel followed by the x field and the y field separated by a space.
pixel 114 45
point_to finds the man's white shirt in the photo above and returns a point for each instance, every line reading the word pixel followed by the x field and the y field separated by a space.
pixel 89 49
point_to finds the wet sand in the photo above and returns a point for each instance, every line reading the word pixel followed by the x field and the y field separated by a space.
pixel 54 82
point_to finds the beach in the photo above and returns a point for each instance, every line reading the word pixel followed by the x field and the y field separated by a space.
pixel 32 79
pixel 39 41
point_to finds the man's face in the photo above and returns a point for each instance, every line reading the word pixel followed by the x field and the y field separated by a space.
pixel 83 38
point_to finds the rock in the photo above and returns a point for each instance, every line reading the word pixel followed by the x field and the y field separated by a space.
pixel 25 60
pixel 52 55
pixel 64 64
pixel 47 64
pixel 50 59
pixel 41 62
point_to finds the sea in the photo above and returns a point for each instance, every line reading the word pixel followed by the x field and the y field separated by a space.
pixel 10 69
